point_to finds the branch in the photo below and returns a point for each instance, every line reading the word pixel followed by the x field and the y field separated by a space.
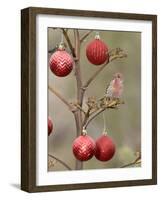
pixel 114 54
pixel 78 76
pixel 77 44
pixel 69 42
pixel 53 50
pixel 86 117
pixel 77 122
pixel 78 115
pixel 111 104
pixel 93 76
pixel 85 36
pixel 71 108
pixel 60 161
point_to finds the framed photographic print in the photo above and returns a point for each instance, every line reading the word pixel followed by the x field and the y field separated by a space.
pixel 88 99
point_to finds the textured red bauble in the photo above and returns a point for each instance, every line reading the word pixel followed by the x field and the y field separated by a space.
pixel 61 63
pixel 97 52
pixel 83 147
pixel 50 126
pixel 105 148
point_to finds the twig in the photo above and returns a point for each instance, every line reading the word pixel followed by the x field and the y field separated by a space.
pixel 69 42
pixel 135 162
pixel 112 104
pixel 93 116
pixel 85 36
pixel 71 108
pixel 53 50
pixel 116 53
pixel 62 98
pixel 60 161
pixel 92 106
pixel 94 75
pixel 130 164
pixel 51 163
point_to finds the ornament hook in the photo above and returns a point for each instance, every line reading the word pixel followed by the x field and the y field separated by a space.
pixel 104 125
pixel 61 44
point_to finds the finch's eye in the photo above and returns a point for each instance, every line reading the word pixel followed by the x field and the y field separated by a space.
pixel 118 75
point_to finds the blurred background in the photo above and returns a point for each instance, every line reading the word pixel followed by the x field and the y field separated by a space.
pixel 123 124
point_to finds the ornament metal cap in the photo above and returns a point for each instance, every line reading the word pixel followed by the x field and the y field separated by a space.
pixel 97 36
pixel 61 46
pixel 84 131
pixel 104 133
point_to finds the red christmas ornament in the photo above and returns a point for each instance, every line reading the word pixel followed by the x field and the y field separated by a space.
pixel 105 148
pixel 50 126
pixel 61 63
pixel 83 147
pixel 97 51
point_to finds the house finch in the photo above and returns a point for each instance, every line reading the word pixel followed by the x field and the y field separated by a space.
pixel 115 88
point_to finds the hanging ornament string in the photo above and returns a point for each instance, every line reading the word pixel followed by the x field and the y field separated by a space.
pixel 104 124
pixel 62 38
pixel 61 44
